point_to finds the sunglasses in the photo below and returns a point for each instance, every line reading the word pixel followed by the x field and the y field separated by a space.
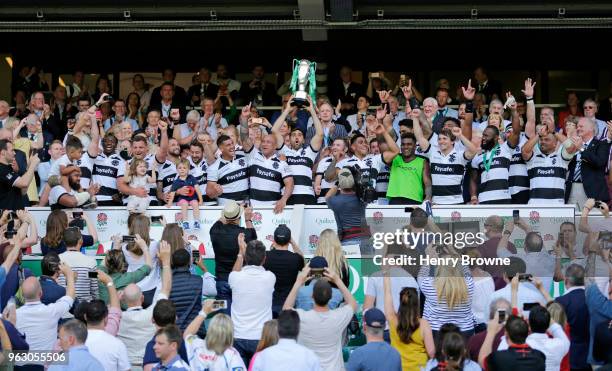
pixel 588 107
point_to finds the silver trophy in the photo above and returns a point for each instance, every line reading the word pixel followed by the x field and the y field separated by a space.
pixel 303 78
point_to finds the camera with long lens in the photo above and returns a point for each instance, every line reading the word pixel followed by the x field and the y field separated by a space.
pixel 364 185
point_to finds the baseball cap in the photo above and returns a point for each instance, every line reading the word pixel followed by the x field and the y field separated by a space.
pixel 231 210
pixel 345 179
pixel 318 262
pixel 374 317
pixel 282 234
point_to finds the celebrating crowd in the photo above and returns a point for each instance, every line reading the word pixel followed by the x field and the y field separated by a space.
pixel 142 308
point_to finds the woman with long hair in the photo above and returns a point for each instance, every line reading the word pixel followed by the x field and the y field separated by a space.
pixel 134 110
pixel 557 314
pixel 453 356
pixel 448 294
pixel 103 85
pixel 269 337
pixel 142 89
pixel 411 335
pixel 330 248
pixel 57 223
pixel 216 352
pixel 173 235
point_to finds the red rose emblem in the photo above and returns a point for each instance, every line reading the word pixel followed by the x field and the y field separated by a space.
pixel 270 238
pixel 257 217
pixel 534 216
pixel 313 239
pixel 102 217
pixel 378 216
pixel 455 216
pixel 548 237
pixel 177 217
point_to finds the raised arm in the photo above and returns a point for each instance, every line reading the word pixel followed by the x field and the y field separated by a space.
pixel 393 150
pixel 164 255
pixel 349 299
pixel 279 123
pixel 514 136
pixel 194 326
pixel 389 309
pixel 468 94
pixel 418 130
pixel 317 140
pixel 162 151
pixel 94 146
pixel 527 150
pixel 301 278
pixel 470 148
pixel 530 125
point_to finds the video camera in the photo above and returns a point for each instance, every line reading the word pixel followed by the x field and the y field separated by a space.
pixel 364 185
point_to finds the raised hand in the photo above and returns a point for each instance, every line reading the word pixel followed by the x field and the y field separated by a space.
pixel 407 90
pixel 469 92
pixel 529 88
pixel 457 132
pixel 381 112
pixel 384 95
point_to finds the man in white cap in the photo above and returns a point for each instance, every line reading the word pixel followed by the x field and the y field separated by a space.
pixel 224 238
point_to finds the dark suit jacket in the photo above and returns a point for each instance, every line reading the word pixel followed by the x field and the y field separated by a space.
pixel 174 104
pixel 592 170
pixel 269 96
pixel 492 87
pixel 211 91
pixel 354 91
pixel 574 303
pixel 180 96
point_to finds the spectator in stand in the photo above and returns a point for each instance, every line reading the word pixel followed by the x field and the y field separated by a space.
pixel 572 108
pixel 410 335
pixel 216 351
pixel 56 151
pixel 453 356
pixel 50 272
pixel 224 239
pixel 164 314
pixel 142 89
pixel 4 113
pixel 322 328
pixel 134 112
pixel 169 102
pixel 37 321
pixel 167 343
pixel 211 122
pixel 116 266
pixel 493 228
pixel 591 108
pixel 72 337
pixel 103 86
pixel 518 356
pixel 252 287
pixel 11 184
pixel 258 90
pixel 205 88
pixel 449 292
pixel 484 286
pixel 106 348
pixel 57 223
pixel 490 88
pixel 475 342
pixel 120 115
pixel 269 337
pixel 188 289
pixel 333 127
pixel 86 288
pixel 136 327
pixel 347 91
pixel 574 303
pixel 376 354
pixel 180 96
pixel 586 178
pixel 285 265
pixel 227 86
pixel 287 354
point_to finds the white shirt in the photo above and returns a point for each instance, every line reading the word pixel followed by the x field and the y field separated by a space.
pixel 153 279
pixel 540 264
pixel 57 192
pixel 252 289
pixel 483 288
pixel 554 349
pixel 527 293
pixel 136 329
pixel 322 332
pixel 202 359
pixel 286 355
pixel 108 350
pixel 399 279
pixel 38 322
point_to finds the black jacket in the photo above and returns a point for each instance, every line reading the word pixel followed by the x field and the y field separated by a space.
pixel 211 92
pixel 594 162
pixel 224 239
pixel 186 294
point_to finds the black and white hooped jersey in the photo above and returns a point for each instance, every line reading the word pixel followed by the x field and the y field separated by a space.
pixel 199 172
pixel 106 170
pixel 166 174
pixel 547 176
pixel 517 176
pixel 369 166
pixel 266 177
pixel 85 164
pixel 325 185
pixel 494 185
pixel 382 183
pixel 447 172
pixel 232 176
pixel 301 162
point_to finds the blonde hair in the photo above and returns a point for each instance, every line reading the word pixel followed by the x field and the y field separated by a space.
pixel 557 313
pixel 269 335
pixel 131 169
pixel 450 285
pixel 330 248
pixel 220 334
pixel 500 126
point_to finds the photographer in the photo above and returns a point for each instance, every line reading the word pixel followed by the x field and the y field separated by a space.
pixel 349 210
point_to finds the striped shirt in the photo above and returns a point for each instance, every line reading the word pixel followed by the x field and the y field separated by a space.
pixel 86 288
pixel 106 170
pixel 266 177
pixel 517 175
pixel 547 176
pixel 325 185
pixel 382 184
pixel 494 183
pixel 447 173
pixel 85 164
pixel 232 176
pixel 369 166
pixel 166 175
pixel 301 162
pixel 198 171
pixel 437 313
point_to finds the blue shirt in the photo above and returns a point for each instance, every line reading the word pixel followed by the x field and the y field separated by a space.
pixel 175 364
pixel 79 359
pixel 377 355
pixel 600 310
pixel 11 284
pixel 302 120
pixel 150 357
pixel 18 341
pixel 179 183
pixel 61 248
pixel 110 121
pixel 51 291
